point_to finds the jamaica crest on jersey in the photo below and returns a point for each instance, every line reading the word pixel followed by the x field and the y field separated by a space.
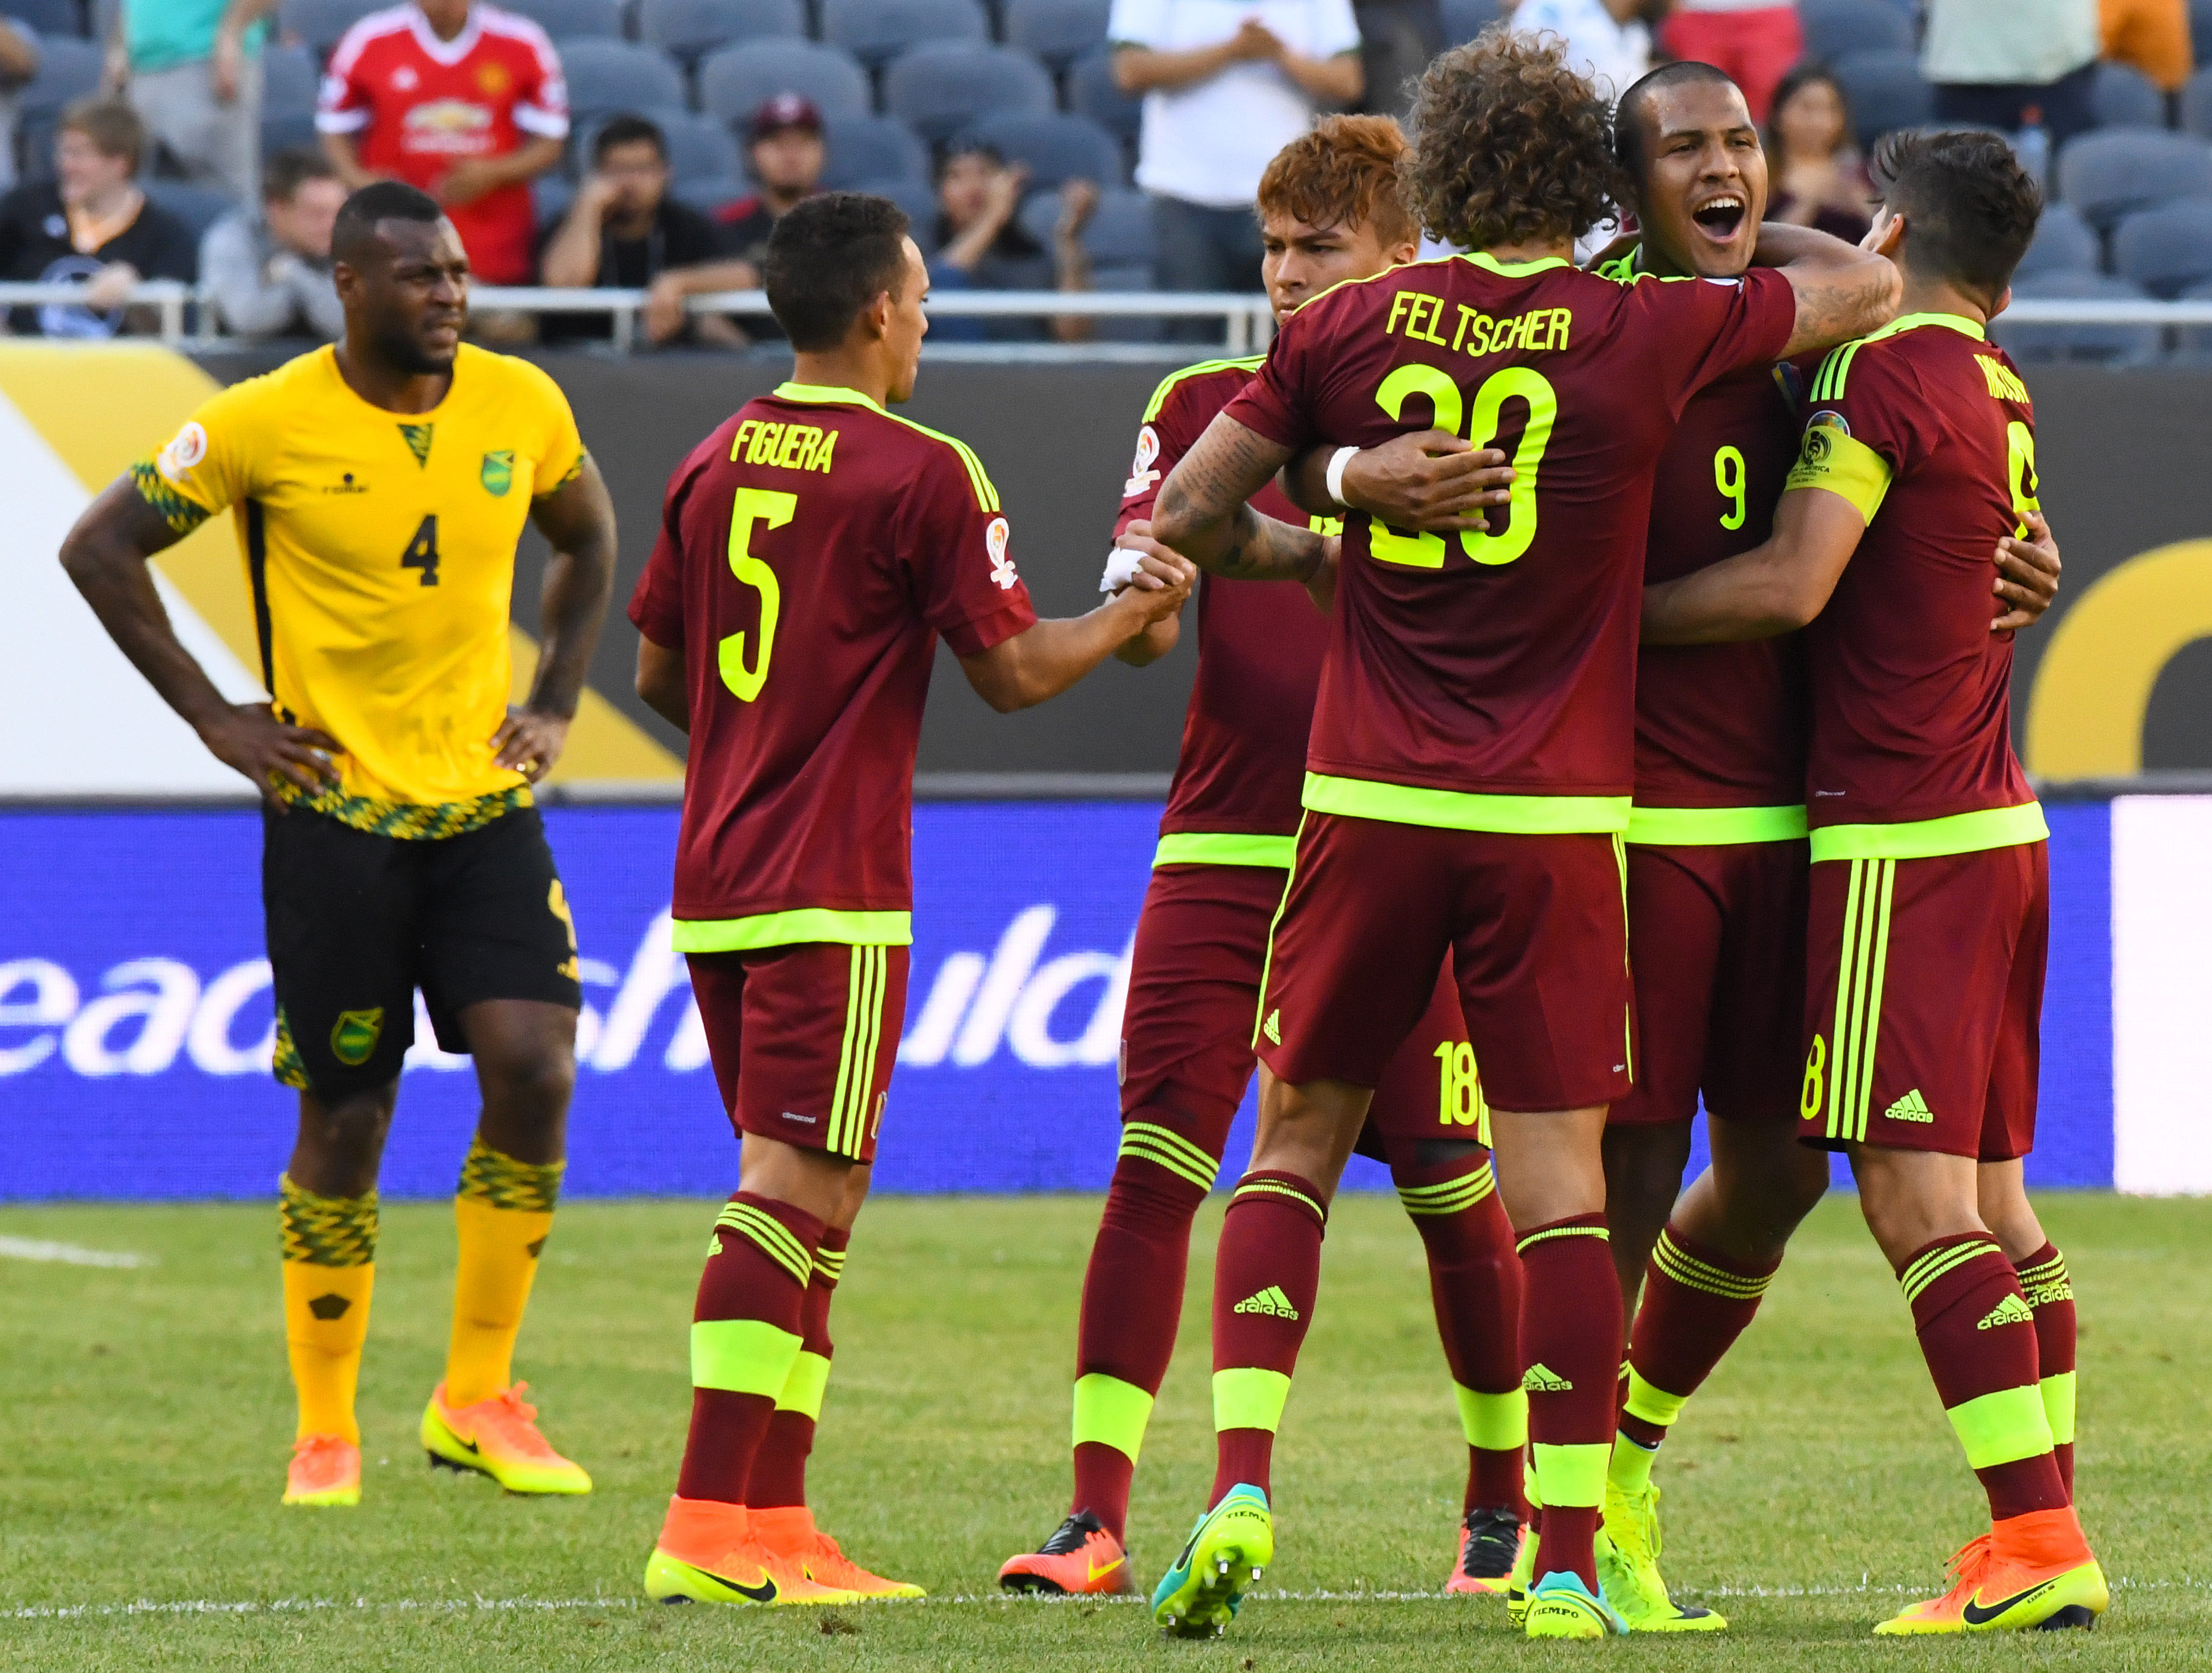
pixel 996 539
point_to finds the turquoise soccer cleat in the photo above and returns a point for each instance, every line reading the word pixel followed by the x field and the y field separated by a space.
pixel 1228 1550
pixel 1561 1606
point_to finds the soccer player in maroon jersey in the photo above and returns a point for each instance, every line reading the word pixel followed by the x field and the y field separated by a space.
pixel 1930 905
pixel 1470 767
pixel 1329 211
pixel 813 550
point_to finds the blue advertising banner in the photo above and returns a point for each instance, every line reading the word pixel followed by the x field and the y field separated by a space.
pixel 136 1022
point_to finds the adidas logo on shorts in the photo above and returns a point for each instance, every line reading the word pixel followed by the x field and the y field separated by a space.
pixel 1542 1379
pixel 1273 1028
pixel 2010 1311
pixel 1910 1107
pixel 1270 1302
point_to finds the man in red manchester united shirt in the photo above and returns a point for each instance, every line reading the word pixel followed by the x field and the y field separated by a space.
pixel 458 98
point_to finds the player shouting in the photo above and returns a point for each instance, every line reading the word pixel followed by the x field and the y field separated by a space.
pixel 813 550
pixel 379 486
pixel 1472 757
pixel 1329 211
pixel 1931 899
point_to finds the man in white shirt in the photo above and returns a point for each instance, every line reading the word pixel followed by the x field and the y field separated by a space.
pixel 1607 40
pixel 1227 84
pixel 2004 64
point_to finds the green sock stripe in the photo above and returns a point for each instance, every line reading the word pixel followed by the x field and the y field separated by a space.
pixel 2058 1391
pixel 1915 1278
pixel 1248 1398
pixel 1171 1151
pixel 775 1239
pixel 494 1178
pixel 1628 1464
pixel 1573 1477
pixel 829 1266
pixel 2002 1428
pixel 326 1231
pixel 1109 1412
pixel 742 1356
pixel 2042 1271
pixel 804 1388
pixel 1452 1196
pixel 1536 1238
pixel 1653 1405
pixel 1692 1273
pixel 1493 1422
pixel 1277 1188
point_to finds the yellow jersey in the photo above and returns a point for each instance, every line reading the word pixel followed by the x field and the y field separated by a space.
pixel 379 551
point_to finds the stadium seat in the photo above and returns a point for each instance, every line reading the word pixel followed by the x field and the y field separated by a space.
pixel 2165 250
pixel 2064 244
pixel 605 77
pixel 710 198
pixel 68 69
pixel 919 199
pixel 573 20
pixel 50 18
pixel 551 194
pixel 1123 276
pixel 2195 348
pixel 737 81
pixel 1119 234
pixel 1057 31
pixel 1836 28
pixel 877 31
pixel 288 133
pixel 942 87
pixel 2196 100
pixel 1054 147
pixel 699 148
pixel 2124 98
pixel 1466 19
pixel 2100 345
pixel 1885 92
pixel 689 29
pixel 198 207
pixel 1092 91
pixel 322 23
pixel 2105 176
pixel 872 147
pixel 289 78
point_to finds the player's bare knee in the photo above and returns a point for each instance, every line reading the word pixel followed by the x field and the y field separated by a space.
pixel 341 1141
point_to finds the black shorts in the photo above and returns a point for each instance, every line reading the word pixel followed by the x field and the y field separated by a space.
pixel 357 921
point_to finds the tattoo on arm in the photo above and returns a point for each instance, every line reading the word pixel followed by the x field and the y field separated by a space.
pixel 1835 305
pixel 1206 491
pixel 1259 548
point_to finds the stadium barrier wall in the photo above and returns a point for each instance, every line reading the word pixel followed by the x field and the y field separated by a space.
pixel 136 1021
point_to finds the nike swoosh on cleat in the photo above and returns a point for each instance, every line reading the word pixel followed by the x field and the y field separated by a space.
pixel 1976 1615
pixel 762 1593
pixel 1096 1573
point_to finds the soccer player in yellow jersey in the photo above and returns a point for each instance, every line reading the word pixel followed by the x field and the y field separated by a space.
pixel 379 486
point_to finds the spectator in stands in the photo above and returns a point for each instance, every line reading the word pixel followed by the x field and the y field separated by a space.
pixel 1397 39
pixel 2153 35
pixel 91 225
pixel 2008 64
pixel 1609 41
pixel 269 275
pixel 19 62
pixel 1756 41
pixel 625 232
pixel 1227 84
pixel 983 245
pixel 192 70
pixel 785 155
pixel 464 100
pixel 1819 178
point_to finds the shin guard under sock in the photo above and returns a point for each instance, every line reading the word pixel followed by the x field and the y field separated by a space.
pixel 778 1479
pixel 2050 1294
pixel 329 1271
pixel 1697 1301
pixel 1265 1278
pixel 1570 1344
pixel 503 1212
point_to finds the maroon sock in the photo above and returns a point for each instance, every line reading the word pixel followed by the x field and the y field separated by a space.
pixel 778 1472
pixel 1132 1294
pixel 757 1270
pixel 1570 1343
pixel 1977 1335
pixel 1697 1301
pixel 1475 1282
pixel 1265 1278
pixel 2050 1292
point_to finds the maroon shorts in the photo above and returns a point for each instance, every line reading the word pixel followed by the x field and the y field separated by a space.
pixel 1533 926
pixel 1924 1001
pixel 803 1038
pixel 1195 988
pixel 1717 944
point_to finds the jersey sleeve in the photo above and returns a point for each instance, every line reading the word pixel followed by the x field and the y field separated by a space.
pixel 1866 424
pixel 1279 402
pixel 1698 330
pixel 1164 438
pixel 656 603
pixel 541 101
pixel 557 458
pixel 342 104
pixel 963 556
pixel 207 465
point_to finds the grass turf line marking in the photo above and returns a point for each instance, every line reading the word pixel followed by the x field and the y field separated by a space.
pixel 67 1254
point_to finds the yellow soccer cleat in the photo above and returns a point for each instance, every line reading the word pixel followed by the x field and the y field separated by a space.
pixel 1228 1550
pixel 1561 1606
pixel 1522 1576
pixel 324 1471
pixel 1628 1569
pixel 498 1438
pixel 789 1534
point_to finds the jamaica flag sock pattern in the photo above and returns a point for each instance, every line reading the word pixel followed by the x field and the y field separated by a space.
pixel 330 1271
pixel 745 1336
pixel 504 1212
pixel 1265 1278
pixel 1977 1335
pixel 779 1473
pixel 1697 1301
pixel 1571 1346
pixel 2049 1293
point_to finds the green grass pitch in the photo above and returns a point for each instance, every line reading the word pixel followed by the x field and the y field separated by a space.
pixel 144 1417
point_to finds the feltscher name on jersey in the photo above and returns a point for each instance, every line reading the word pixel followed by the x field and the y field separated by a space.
pixel 1418 315
pixel 785 446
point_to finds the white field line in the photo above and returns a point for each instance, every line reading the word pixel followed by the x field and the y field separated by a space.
pixel 448 1605
pixel 67 1254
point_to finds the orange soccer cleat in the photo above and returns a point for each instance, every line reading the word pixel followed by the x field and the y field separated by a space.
pixel 2027 1570
pixel 708 1553
pixel 498 1438
pixel 1489 1541
pixel 325 1470
pixel 1080 1560
pixel 788 1532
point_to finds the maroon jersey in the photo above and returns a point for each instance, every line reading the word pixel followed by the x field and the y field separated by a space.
pixel 1260 643
pixel 812 550
pixel 1499 667
pixel 1927 428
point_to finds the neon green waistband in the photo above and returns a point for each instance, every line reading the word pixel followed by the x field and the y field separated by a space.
pixel 1225 848
pixel 789 929
pixel 1712 827
pixel 1466 810
pixel 1922 839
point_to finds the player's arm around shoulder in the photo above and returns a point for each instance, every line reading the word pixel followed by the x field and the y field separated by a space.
pixel 1842 291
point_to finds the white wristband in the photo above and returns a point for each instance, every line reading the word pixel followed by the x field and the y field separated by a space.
pixel 1337 461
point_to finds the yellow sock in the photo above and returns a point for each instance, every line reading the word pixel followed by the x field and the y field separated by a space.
pixel 504 1211
pixel 330 1267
